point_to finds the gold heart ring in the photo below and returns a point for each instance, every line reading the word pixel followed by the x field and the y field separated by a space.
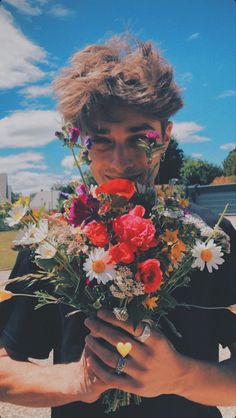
pixel 124 348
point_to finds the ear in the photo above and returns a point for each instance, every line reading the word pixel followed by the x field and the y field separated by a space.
pixel 167 136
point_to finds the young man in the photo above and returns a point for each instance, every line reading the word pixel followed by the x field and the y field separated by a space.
pixel 116 93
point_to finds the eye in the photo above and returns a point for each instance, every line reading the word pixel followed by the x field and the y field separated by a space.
pixel 134 140
pixel 102 142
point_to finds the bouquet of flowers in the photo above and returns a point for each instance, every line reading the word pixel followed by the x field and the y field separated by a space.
pixel 119 245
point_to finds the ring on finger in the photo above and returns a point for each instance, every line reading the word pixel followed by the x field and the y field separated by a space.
pixel 120 365
pixel 145 334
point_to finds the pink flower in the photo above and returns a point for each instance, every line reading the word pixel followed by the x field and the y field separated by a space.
pixel 135 230
pixel 152 135
pixel 74 134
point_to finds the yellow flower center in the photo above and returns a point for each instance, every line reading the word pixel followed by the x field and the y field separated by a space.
pixel 206 255
pixel 98 266
pixel 48 253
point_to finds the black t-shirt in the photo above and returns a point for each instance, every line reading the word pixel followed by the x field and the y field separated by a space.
pixel 34 333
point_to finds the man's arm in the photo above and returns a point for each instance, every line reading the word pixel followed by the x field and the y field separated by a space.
pixel 27 384
pixel 211 383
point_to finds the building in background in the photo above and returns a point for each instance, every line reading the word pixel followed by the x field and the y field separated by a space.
pixel 5 189
pixel 47 199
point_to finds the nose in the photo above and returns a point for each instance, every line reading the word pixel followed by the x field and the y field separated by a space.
pixel 122 160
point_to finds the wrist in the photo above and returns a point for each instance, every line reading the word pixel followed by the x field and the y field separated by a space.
pixel 185 377
pixel 71 385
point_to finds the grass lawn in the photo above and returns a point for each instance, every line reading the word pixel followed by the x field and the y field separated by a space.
pixel 7 256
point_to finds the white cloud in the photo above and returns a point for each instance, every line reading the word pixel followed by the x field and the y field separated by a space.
pixel 32 92
pixel 19 57
pixel 196 155
pixel 187 76
pixel 30 182
pixel 60 11
pixel 24 6
pixel 229 146
pixel 68 162
pixel 193 36
pixel 227 93
pixel 31 128
pixel 188 132
pixel 14 163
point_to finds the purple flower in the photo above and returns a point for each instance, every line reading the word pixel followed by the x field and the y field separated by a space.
pixel 78 212
pixel 88 200
pixel 88 142
pixel 152 135
pixel 83 208
pixel 85 154
pixel 59 135
pixel 74 134
pixel 63 195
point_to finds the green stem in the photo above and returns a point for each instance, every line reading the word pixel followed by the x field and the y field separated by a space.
pixel 187 305
pixel 80 171
pixel 219 221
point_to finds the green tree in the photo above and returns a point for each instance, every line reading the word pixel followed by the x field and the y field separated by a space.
pixel 229 164
pixel 171 167
pixel 199 172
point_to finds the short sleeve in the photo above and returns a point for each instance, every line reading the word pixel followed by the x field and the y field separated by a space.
pixel 24 331
pixel 225 293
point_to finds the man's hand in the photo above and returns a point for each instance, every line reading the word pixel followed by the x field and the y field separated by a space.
pixel 152 368
pixel 87 385
pixel 28 384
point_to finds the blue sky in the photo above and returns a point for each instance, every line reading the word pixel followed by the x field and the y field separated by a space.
pixel 37 38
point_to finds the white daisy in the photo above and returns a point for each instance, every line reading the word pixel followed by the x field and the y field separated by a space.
pixel 16 214
pixel 97 266
pixel 207 254
pixel 41 231
pixel 32 234
pixel 46 250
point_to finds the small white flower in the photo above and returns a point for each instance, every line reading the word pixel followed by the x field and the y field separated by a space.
pixel 32 234
pixel 207 254
pixel 92 190
pixel 41 232
pixel 175 214
pixel 16 214
pixel 20 236
pixel 25 236
pixel 46 250
pixel 97 266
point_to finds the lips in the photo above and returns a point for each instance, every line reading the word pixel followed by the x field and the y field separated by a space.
pixel 133 177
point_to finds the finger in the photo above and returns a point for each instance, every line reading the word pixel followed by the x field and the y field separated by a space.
pixel 110 357
pixel 110 318
pixel 109 377
pixel 114 335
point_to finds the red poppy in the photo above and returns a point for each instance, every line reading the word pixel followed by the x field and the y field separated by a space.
pixel 120 187
pixel 122 253
pixel 150 274
pixel 97 233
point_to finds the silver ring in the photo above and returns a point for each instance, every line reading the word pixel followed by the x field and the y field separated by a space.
pixel 145 334
pixel 120 365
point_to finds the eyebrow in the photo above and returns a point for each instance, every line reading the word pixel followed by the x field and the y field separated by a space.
pixel 131 129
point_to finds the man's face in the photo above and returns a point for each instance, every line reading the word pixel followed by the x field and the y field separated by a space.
pixel 115 152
